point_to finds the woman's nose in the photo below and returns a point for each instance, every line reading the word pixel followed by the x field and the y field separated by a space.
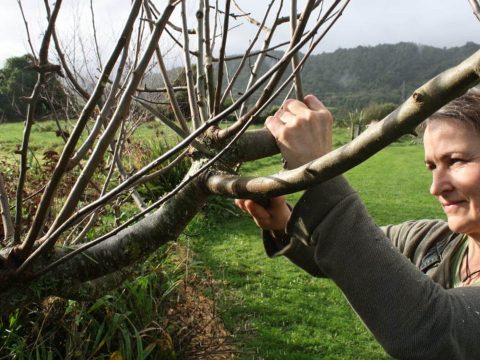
pixel 440 183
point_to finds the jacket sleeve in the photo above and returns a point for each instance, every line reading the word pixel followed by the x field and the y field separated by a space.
pixel 409 314
pixel 296 248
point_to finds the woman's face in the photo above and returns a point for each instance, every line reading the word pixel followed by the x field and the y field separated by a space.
pixel 452 153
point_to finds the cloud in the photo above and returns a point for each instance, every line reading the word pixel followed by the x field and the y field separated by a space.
pixel 367 22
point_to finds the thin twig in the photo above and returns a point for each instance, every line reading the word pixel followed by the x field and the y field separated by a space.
pixel 293 26
pixel 297 43
pixel 188 71
pixel 32 49
pixel 259 61
pixel 247 53
pixel 215 27
pixel 138 42
pixel 94 28
pixel 208 58
pixel 250 19
pixel 170 90
pixel 106 109
pixel 66 69
pixel 201 76
pixel 221 59
pixel 475 4
pixel 179 131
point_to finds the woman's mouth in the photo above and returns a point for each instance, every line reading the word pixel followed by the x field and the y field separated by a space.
pixel 451 204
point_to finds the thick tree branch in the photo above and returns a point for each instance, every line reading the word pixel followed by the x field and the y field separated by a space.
pixel 424 102
pixel 118 251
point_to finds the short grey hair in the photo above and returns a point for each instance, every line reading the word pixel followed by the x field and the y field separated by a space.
pixel 465 108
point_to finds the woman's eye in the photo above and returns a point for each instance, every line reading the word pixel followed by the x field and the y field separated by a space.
pixel 454 161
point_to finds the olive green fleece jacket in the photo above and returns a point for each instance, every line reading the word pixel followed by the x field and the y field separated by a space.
pixel 411 314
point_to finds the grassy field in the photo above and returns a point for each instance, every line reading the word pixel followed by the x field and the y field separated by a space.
pixel 280 312
pixel 274 310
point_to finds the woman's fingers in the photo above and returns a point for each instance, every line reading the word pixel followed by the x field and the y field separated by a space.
pixel 275 217
pixel 257 211
pixel 314 104
pixel 274 125
pixel 240 203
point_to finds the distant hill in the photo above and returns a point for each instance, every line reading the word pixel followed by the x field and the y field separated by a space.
pixel 349 79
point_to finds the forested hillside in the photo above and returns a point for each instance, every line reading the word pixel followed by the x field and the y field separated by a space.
pixel 350 79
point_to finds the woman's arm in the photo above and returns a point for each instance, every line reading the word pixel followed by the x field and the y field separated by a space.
pixel 410 315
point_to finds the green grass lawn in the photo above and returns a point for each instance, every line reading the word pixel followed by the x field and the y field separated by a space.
pixel 276 310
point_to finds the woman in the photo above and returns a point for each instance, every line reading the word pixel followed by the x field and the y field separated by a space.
pixel 413 283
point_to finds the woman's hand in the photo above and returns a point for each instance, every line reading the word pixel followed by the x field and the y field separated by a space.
pixel 273 217
pixel 304 133
pixel 303 130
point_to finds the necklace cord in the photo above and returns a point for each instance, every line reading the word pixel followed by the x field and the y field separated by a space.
pixel 467 269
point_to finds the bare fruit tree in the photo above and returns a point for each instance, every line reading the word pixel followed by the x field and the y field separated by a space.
pixel 47 252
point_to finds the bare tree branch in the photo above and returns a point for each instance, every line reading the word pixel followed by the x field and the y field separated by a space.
pixel 209 58
pixel 94 28
pixel 296 44
pixel 8 229
pixel 128 246
pixel 475 4
pixel 201 76
pixel 261 58
pixel 68 150
pixel 293 26
pixel 32 49
pixel 188 70
pixel 166 81
pixel 251 20
pixel 221 60
pixel 214 33
pixel 102 116
pixel 247 53
pixel 32 103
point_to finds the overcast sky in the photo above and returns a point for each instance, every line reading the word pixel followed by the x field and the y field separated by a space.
pixel 441 23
